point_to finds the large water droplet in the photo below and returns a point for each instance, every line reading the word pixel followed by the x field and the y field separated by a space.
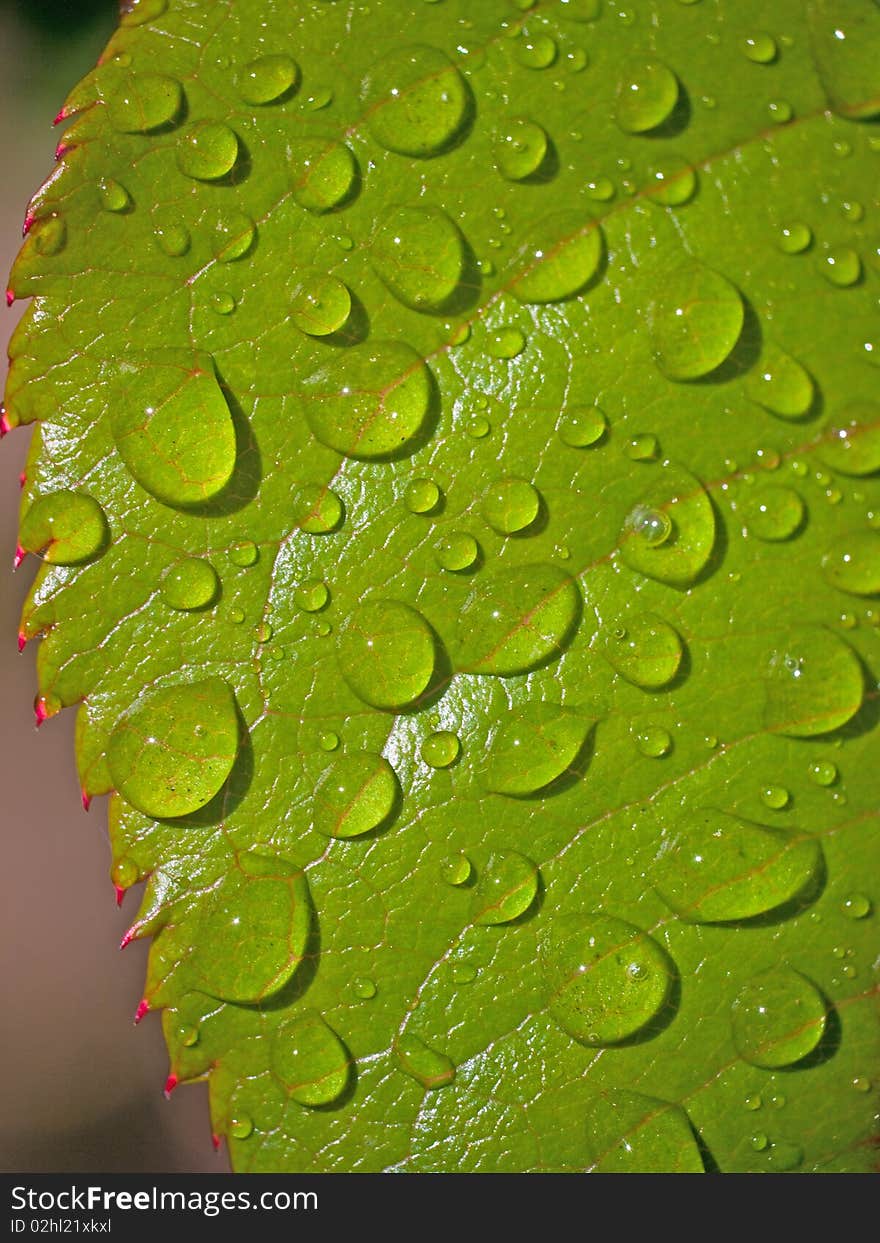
pixel 419 254
pixel 208 151
pixel 852 563
pixel 323 173
pixel 521 148
pixel 778 1018
pixel 387 654
pixel 516 619
pixel 144 102
pixel 670 534
pixel 174 748
pixel 372 401
pixel 780 384
pixel 321 304
pixel 267 78
pixel 759 47
pixel 310 1060
pixel 644 649
pixel 813 684
pixel 172 425
pixel 318 509
pixel 646 97
pixel 67 527
pixel 534 746
pixel 506 888
pixel 627 1133
pixel 773 512
pixel 456 551
pixel 604 980
pixel 582 426
pixel 558 256
pixel 416 100
pixel 113 195
pixel 717 868
pixel 422 1063
pixel 355 795
pixel 695 321
pixel 850 441
pixel 233 237
pixel 511 505
pixel 440 749
pixel 843 37
pixel 673 181
pixel 190 584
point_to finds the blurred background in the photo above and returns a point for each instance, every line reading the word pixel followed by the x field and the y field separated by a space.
pixel 81 1087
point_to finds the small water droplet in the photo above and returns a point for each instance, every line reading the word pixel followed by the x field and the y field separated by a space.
pixel 643 448
pixel 842 41
pixel 478 427
pixel 208 151
pixel 653 741
pixel 673 181
pixel 760 47
pixel 190 584
pixel 646 96
pixel 856 906
pixel 582 426
pixel 318 510
pixel 66 527
pixel 310 1060
pixel 312 595
pixel 113 196
pixel 840 265
pixel 511 505
pixel 233 237
pixel 387 654
pixel 505 342
pixel 172 237
pixel 440 749
pixel 355 795
pixel 244 553
pixel 850 442
pixel 241 1126
pixel 779 111
pixel 852 563
pixel 780 384
pixel 558 257
pixel 775 797
pixel 536 51
pixel 813 684
pixel 794 238
pixel 144 102
pixel 515 619
pixel 505 889
pixel 778 1018
pixel 323 174
pixel 533 748
pixel 456 551
pixel 773 513
pixel 364 988
pixel 670 534
pixel 456 869
pixel 266 79
pixel 125 873
pixel 422 496
pixel 416 101
pixel 419 253
pixel 645 650
pixel 418 1060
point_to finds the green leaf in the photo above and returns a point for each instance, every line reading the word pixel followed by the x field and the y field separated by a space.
pixel 455 473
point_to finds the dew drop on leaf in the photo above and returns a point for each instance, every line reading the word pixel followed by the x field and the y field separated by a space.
pixel 778 1018
pixel 174 748
pixel 813 683
pixel 644 649
pixel 355 795
pixel 208 151
pixel 627 1133
pixel 312 595
pixel 535 51
pixel 773 513
pixel 840 265
pixel 582 426
pixel 777 798
pixel 670 534
pixel 781 385
pixel 558 257
pixel 370 402
pixel 852 563
pixel 717 868
pixel 695 321
pixel 794 238
pixel 419 254
pixel 416 101
pixel 321 305
pixel 604 979
pixel 267 78
pixel 856 906
pixel 646 96
pixel 241 1126
pixel 456 869
pixel 440 749
pixel 318 509
pixel 843 39
pixel 310 1060
pixel 172 238
pixel 323 173
pixel 653 740
pixel 144 102
pixel 536 744
pixel 113 195
pixel 673 181
pixel 66 527
pixel 422 496
pixel 387 654
pixel 506 887
pixel 233 237
pixel 456 551
pixel 759 47
pixel 521 147
pixel 511 506
pixel 191 583
pixel 426 1065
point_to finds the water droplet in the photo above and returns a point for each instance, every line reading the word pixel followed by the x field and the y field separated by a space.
pixel 355 795
pixel 643 448
pixel 372 401
pixel 312 595
pixel 323 174
pixel 456 551
pixel 600 188
pixel 267 78
pixel 457 869
pixel 773 513
pixel 813 684
pixel 582 426
pixel 521 147
pixel 173 238
pixel 775 797
pixel 646 97
pixel 387 654
pixel 144 102
pixel 850 442
pixel 317 97
pixel 645 650
pixel 852 564
pixel 517 619
pixel 558 257
pixel 241 1126
pixel 505 889
pixel 778 1018
pixel 233 237
pixel 856 906
pixel 441 749
pixel 670 534
pixel 422 496
pixel 506 342
pixel 174 748
pixel 535 51
pixel 780 111
pixel 364 988
pixel 50 236
pixel 591 991
pixel 780 384
pixel 416 101
pixel 760 47
pixel 511 505
pixel 823 772
pixel 653 741
pixel 759 1141
pixel 463 973
pixel 673 181
pixel 190 584
pixel 537 744
pixel 188 1037
pixel 310 1060
pixel 627 1133
pixel 422 1063
pixel 243 554
pixel 223 303
pixel 695 322
pixel 843 39
pixel 794 238
pixel 208 151
pixel 318 510
pixel 66 527
pixel 125 873
pixel 172 425
pixel 840 265
pixel 753 1101
pixel 419 254
pixel 112 195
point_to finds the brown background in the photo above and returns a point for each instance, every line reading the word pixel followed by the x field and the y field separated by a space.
pixel 81 1087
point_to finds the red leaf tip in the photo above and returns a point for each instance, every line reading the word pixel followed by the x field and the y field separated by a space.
pixel 61 149
pixel 215 1140
pixel 6 426
pixel 10 297
pixel 22 640
pixel 41 712
pixel 127 940
pixel 62 115
pixel 85 799
pixel 143 1008
pixel 26 226
pixel 20 555
pixel 170 1084
pixel 120 894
